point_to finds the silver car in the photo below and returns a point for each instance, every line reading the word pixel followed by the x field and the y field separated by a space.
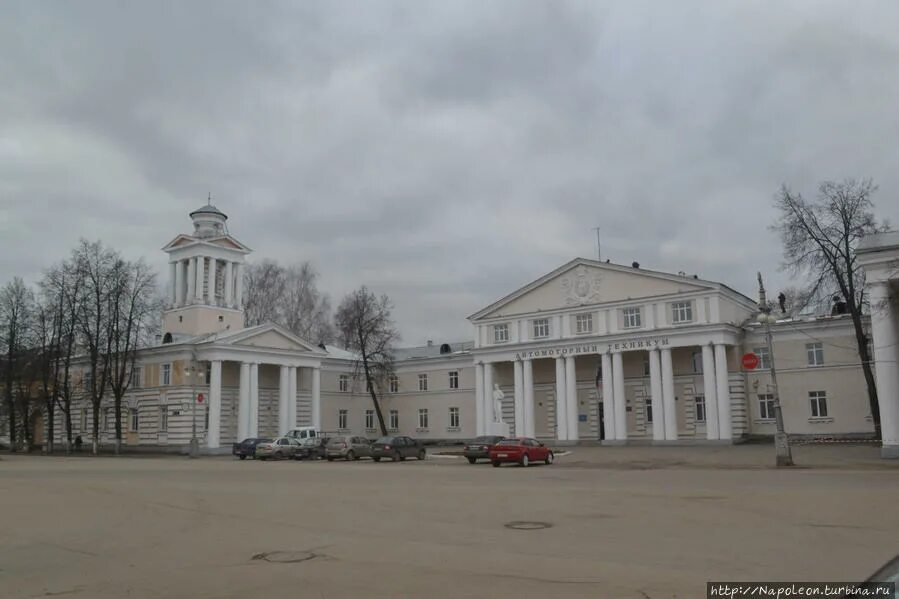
pixel 347 448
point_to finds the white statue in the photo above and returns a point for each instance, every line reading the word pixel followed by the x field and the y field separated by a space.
pixel 498 396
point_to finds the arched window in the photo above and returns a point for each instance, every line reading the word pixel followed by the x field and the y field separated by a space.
pixel 167 338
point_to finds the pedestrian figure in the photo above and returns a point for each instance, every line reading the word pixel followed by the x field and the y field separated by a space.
pixel 78 442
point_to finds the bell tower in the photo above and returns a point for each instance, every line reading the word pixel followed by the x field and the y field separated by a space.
pixel 205 277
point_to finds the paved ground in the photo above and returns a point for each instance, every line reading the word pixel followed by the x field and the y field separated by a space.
pixel 626 522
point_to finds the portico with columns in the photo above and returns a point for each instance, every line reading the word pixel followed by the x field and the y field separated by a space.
pixel 600 352
pixel 879 255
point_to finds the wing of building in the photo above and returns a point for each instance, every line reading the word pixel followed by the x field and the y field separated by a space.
pixel 590 352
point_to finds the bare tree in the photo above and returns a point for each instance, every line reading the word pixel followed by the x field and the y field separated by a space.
pixel 819 238
pixel 366 328
pixel 16 311
pixel 288 296
pixel 47 329
pixel 97 266
pixel 132 301
pixel 62 287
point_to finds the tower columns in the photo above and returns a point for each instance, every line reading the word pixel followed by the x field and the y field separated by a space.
pixel 229 282
pixel 200 274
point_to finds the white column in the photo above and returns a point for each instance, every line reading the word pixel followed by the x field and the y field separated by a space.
pixel 210 288
pixel 292 397
pixel 173 277
pixel 620 397
pixel 561 401
pixel 655 389
pixel 723 388
pixel 200 271
pixel 243 405
pixel 254 400
pixel 528 378
pixel 668 398
pixel 317 398
pixel 608 398
pixel 191 281
pixel 479 398
pixel 519 398
pixel 229 283
pixel 488 396
pixel 179 283
pixel 711 393
pixel 283 399
pixel 886 372
pixel 238 284
pixel 214 432
pixel 571 402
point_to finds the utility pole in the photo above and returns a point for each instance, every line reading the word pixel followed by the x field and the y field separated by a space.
pixel 781 440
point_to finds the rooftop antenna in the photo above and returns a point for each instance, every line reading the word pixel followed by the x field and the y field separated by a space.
pixel 209 199
pixel 598 245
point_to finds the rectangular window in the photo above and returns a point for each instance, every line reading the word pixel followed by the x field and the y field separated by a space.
pixel 134 420
pixel 818 400
pixel 696 359
pixel 764 358
pixel 584 323
pixel 137 375
pixel 700 407
pixel 341 419
pixel 394 383
pixel 88 382
pixel 454 379
pixel 422 382
pixel 208 373
pixel 165 375
pixel 206 418
pixel 766 406
pixel 369 419
pixel 454 417
pixel 500 333
pixel 815 353
pixel 343 383
pixel 108 419
pixel 649 410
pixel 422 418
pixel 632 319
pixel 83 419
pixel 541 328
pixel 681 312
pixel 645 363
pixel 163 419
pixel 394 420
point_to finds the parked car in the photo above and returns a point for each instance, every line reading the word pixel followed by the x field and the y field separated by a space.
pixel 306 435
pixel 312 449
pixel 280 448
pixel 479 447
pixel 521 450
pixel 397 448
pixel 247 447
pixel 347 448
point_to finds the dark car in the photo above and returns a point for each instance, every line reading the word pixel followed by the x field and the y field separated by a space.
pixel 313 449
pixel 247 447
pixel 479 447
pixel 397 448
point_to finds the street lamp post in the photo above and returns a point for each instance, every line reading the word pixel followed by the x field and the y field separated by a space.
pixel 781 440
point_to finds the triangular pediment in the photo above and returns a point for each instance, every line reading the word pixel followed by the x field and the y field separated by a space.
pixel 269 336
pixel 226 241
pixel 583 282
pixel 179 241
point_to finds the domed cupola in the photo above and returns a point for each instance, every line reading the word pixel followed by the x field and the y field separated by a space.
pixel 209 221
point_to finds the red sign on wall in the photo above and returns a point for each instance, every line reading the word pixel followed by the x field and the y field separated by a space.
pixel 750 361
pixel 200 397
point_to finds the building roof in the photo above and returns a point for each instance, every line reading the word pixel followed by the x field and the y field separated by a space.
pixel 209 209
pixel 879 241
pixel 432 350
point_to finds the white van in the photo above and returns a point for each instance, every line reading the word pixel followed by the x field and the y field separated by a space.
pixel 305 434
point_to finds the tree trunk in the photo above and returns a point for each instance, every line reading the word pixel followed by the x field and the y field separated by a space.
pixel 95 442
pixel 118 425
pixel 374 397
pixel 873 402
pixel 51 429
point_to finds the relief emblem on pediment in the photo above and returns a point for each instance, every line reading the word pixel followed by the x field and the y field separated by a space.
pixel 580 287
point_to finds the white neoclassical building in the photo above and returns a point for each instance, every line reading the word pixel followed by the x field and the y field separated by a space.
pixel 590 352
pixel 879 254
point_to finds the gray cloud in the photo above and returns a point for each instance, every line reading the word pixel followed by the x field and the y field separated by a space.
pixel 441 152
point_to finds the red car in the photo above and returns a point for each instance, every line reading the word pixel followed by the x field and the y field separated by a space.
pixel 521 450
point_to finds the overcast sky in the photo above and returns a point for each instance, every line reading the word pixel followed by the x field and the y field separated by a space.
pixel 444 153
